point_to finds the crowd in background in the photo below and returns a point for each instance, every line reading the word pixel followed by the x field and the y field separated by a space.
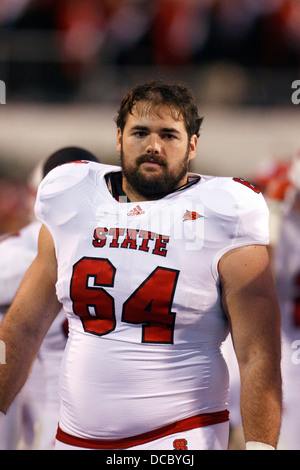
pixel 168 32
pixel 73 36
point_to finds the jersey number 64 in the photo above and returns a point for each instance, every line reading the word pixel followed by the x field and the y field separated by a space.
pixel 149 305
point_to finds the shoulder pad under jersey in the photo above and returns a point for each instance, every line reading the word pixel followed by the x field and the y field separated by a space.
pixel 240 207
pixel 64 177
pixel 63 188
pixel 231 196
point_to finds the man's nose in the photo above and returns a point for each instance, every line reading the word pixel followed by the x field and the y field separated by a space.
pixel 153 145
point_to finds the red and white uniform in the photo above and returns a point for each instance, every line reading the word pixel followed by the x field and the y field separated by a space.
pixel 32 418
pixel 139 283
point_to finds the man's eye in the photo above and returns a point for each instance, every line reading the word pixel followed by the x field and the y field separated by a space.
pixel 169 136
pixel 140 134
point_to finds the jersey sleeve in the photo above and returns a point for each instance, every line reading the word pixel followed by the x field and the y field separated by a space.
pixel 60 193
pixel 247 217
pixel 253 214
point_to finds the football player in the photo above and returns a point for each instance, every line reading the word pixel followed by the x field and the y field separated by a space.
pixel 153 266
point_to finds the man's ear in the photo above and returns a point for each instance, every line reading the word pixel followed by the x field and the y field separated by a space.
pixel 193 147
pixel 119 139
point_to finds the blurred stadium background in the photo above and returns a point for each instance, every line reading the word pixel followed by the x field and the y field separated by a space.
pixel 67 63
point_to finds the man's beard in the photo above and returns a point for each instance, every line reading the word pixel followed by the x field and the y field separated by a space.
pixel 154 186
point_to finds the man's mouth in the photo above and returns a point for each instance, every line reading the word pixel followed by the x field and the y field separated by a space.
pixel 151 161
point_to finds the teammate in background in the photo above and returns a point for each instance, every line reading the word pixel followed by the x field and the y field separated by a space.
pixel 272 178
pixel 287 274
pixel 279 181
pixel 153 266
pixel 33 416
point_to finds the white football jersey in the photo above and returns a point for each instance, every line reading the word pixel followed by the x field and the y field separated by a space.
pixel 139 283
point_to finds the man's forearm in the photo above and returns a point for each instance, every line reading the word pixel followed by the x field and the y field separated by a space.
pixel 261 403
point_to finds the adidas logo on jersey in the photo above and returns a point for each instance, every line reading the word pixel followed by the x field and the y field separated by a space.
pixel 136 211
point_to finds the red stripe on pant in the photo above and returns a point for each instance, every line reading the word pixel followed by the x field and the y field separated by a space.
pixel 205 419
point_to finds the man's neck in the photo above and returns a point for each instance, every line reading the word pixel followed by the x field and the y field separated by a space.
pixel 132 194
pixel 123 192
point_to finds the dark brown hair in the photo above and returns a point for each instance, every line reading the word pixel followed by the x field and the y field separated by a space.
pixel 158 93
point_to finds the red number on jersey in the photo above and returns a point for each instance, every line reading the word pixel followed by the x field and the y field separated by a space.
pixel 149 305
pixel 91 303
